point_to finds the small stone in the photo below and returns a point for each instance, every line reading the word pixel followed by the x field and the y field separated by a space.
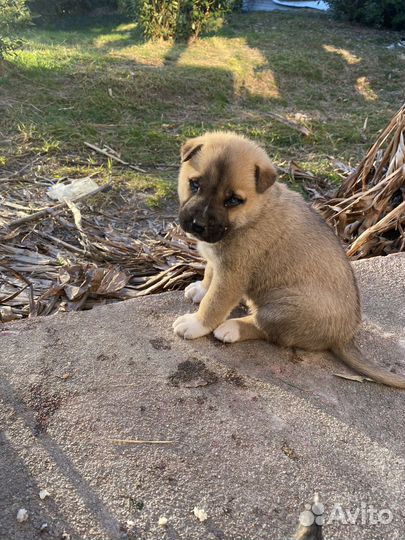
pixel 162 521
pixel 22 515
pixel 44 527
pixel 43 494
pixel 200 514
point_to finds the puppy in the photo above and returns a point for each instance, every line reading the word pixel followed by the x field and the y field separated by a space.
pixel 265 245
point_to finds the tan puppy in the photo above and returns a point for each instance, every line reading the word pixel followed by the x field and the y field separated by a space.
pixel 265 245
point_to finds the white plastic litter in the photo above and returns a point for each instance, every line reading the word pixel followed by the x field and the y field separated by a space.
pixel 200 514
pixel 43 494
pixel 76 188
pixel 400 44
pixel 162 521
pixel 22 515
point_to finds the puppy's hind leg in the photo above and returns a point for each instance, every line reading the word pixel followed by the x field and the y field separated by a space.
pixel 291 319
pixel 240 329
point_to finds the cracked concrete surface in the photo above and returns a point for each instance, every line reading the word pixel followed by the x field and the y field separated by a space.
pixel 254 430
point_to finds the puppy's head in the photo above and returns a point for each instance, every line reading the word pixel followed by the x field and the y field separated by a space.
pixel 222 181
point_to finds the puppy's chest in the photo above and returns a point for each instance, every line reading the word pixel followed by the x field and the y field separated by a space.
pixel 255 272
pixel 211 254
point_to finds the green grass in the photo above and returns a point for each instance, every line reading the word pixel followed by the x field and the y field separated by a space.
pixel 95 80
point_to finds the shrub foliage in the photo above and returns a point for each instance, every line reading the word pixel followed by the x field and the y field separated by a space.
pixel 179 19
pixel 377 13
pixel 13 13
pixel 52 9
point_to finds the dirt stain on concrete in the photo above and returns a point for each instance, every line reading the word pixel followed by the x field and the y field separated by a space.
pixel 289 452
pixel 192 373
pixel 44 404
pixel 160 344
pixel 233 377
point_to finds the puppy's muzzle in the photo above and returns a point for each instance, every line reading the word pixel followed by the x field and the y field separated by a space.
pixel 203 222
pixel 197 227
pixel 204 230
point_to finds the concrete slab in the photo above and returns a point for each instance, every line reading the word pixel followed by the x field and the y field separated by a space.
pixel 263 5
pixel 310 4
pixel 280 5
pixel 254 430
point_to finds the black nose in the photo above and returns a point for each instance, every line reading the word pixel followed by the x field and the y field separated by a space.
pixel 197 227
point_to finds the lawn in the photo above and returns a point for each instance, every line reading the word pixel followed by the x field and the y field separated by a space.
pixel 96 80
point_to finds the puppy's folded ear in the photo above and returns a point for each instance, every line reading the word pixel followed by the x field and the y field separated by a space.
pixel 190 149
pixel 265 176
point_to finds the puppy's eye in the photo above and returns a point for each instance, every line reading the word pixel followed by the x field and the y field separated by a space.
pixel 233 201
pixel 194 185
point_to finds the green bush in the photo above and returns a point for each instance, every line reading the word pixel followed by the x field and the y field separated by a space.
pixel 377 13
pixel 13 13
pixel 179 19
pixel 159 19
pixel 53 9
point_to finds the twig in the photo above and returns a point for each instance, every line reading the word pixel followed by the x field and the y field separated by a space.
pixel 15 175
pixel 293 125
pixel 138 441
pixel 357 378
pixel 112 156
pixel 61 242
pixel 51 209
pixel 13 295
pixel 29 284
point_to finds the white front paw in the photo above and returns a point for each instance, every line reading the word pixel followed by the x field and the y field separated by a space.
pixel 228 332
pixel 189 327
pixel 195 292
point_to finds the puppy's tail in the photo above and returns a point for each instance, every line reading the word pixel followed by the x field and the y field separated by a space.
pixel 351 356
pixel 313 532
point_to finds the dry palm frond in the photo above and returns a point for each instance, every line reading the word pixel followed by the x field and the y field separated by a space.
pixel 368 210
pixel 84 251
pixel 122 268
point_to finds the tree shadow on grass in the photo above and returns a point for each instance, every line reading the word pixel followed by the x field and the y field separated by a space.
pixel 147 97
